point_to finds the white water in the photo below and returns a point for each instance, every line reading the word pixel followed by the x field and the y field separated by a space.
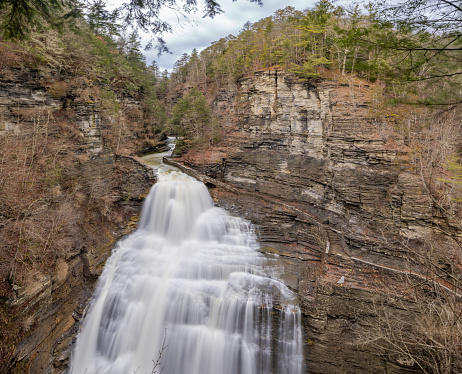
pixel 192 273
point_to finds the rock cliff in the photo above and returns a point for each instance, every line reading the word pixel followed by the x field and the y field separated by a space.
pixel 332 189
pixel 65 200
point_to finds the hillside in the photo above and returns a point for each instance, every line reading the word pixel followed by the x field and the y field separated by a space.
pixel 413 74
pixel 73 108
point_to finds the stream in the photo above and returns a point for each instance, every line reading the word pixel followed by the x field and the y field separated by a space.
pixel 189 292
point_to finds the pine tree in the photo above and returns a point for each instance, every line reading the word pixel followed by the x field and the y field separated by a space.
pixel 191 118
pixel 19 17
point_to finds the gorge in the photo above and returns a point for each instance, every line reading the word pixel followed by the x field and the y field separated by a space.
pixel 332 199
pixel 309 225
pixel 190 286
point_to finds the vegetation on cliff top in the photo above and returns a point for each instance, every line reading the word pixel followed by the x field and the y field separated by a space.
pixel 399 45
pixel 413 50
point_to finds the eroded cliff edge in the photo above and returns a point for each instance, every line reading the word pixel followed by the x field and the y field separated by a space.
pixel 66 198
pixel 329 186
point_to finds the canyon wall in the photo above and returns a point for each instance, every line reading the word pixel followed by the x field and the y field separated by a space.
pixel 56 154
pixel 333 190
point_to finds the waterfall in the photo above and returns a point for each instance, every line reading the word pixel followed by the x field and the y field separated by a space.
pixel 189 286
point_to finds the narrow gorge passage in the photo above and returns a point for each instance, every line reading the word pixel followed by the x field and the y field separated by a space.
pixel 193 274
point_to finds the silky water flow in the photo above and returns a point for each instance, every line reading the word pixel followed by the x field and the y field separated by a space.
pixel 191 280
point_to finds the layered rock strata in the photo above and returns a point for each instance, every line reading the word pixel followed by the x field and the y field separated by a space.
pixel 50 304
pixel 331 187
pixel 91 196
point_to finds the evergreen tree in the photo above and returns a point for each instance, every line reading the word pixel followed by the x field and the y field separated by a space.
pixel 191 118
pixel 101 21
pixel 19 17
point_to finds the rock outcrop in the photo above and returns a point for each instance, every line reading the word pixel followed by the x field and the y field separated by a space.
pixel 332 188
pixel 24 97
pixel 54 302
pixel 83 195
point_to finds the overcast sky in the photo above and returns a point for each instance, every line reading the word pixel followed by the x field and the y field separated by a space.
pixel 200 32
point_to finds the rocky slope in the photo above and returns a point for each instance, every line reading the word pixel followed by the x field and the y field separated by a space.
pixel 65 199
pixel 333 188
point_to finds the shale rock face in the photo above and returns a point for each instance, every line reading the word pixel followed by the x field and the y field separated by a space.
pixel 328 186
pixel 52 304
pixel 24 97
pixel 98 194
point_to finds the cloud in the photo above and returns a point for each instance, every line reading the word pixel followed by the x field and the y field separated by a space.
pixel 200 32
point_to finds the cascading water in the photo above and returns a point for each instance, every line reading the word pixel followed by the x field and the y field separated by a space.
pixel 193 274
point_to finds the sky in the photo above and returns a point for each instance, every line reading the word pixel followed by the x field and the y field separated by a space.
pixel 200 32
